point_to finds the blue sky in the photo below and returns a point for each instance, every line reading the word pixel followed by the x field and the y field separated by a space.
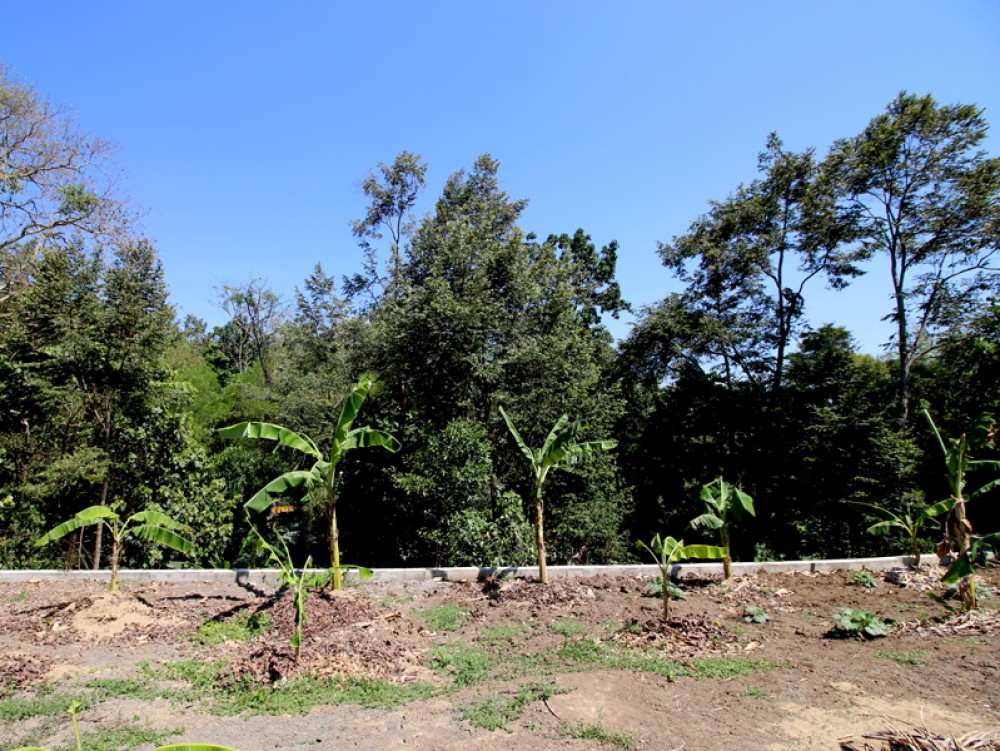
pixel 245 128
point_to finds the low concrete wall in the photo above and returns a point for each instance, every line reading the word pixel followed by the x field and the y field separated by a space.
pixel 269 577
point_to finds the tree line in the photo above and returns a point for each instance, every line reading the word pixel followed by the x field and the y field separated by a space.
pixel 106 398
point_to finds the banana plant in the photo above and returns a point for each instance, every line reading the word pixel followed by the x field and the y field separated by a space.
pixel 146 525
pixel 560 444
pixel 908 524
pixel 668 551
pixel 958 529
pixel 294 580
pixel 323 473
pixel 723 500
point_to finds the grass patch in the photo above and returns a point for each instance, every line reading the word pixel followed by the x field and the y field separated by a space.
pixel 242 627
pixel 465 665
pixel 913 657
pixel 447 617
pixel 595 731
pixel 45 703
pixel 298 696
pixel 120 738
pixel 494 712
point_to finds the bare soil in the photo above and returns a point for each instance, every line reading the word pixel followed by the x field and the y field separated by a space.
pixel 803 688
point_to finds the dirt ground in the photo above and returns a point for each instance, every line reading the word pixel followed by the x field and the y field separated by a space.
pixel 597 646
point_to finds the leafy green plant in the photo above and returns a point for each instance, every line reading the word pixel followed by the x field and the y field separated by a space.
pixel 667 551
pixel 909 524
pixel 863 579
pixel 323 473
pixel 860 623
pixel 150 525
pixel 654 588
pixel 958 530
pixel 723 501
pixel 559 445
pixel 755 614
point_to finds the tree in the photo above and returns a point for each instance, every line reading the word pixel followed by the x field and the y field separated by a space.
pixel 117 364
pixel 746 264
pixel 393 191
pixel 560 444
pixel 55 182
pixel 250 334
pixel 323 473
pixel 917 190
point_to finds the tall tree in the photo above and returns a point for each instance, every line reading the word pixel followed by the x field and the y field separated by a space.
pixel 55 182
pixel 746 264
pixel 919 191
pixel 251 333
pixel 393 191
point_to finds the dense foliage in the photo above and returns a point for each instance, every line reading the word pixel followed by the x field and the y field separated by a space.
pixel 107 400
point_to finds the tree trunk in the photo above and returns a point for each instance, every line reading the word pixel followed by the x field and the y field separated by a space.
pixel 334 539
pixel 543 571
pixel 727 561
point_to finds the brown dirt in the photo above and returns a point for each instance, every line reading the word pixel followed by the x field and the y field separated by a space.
pixel 822 690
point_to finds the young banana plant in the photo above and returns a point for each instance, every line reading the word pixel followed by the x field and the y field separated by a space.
pixel 958 529
pixel 723 501
pixel 560 444
pixel 146 525
pixel 667 551
pixel 323 473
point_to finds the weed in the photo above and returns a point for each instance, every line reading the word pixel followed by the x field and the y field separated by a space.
pixel 751 691
pixel 913 657
pixel 464 664
pixel 494 712
pixel 19 597
pixel 447 617
pixel 863 579
pixel 596 731
pixel 240 628
pixel 300 695
pixel 860 623
pixel 755 614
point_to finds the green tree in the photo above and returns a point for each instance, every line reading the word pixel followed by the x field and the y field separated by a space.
pixel 56 183
pixel 919 191
pixel 393 191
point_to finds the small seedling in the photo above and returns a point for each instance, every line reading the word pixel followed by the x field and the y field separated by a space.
pixel 863 579
pixel 755 614
pixel 860 623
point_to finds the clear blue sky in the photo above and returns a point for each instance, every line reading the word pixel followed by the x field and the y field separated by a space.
pixel 245 127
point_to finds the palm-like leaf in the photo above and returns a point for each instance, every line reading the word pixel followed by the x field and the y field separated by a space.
pixel 162 536
pixel 352 405
pixel 517 438
pixel 90 515
pixel 264 497
pixel 270 432
pixel 361 438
